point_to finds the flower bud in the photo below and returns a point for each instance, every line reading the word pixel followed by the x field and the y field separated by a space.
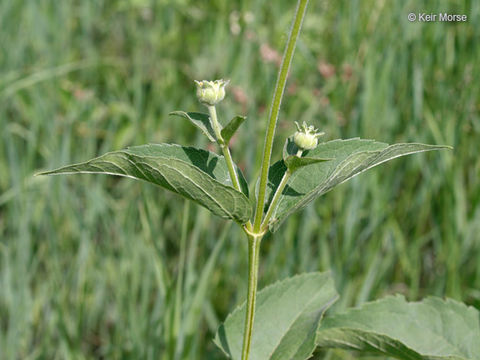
pixel 211 92
pixel 306 138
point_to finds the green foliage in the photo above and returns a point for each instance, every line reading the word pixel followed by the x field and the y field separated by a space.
pixel 293 162
pixel 433 329
pixel 200 120
pixel 229 130
pixel 287 316
pixel 198 175
pixel 349 158
pixel 290 311
pixel 74 286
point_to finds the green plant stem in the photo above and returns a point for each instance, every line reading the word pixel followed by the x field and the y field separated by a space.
pixel 275 108
pixel 253 262
pixel 255 238
pixel 224 147
pixel 215 124
pixel 276 196
pixel 275 199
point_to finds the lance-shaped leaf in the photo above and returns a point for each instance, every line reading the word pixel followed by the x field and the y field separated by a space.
pixel 198 175
pixel 293 162
pixel 433 329
pixel 229 130
pixel 200 120
pixel 348 158
pixel 287 317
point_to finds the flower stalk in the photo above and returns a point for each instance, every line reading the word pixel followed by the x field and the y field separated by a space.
pixel 224 147
pixel 278 193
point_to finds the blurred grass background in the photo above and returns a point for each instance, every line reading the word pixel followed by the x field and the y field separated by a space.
pixel 96 267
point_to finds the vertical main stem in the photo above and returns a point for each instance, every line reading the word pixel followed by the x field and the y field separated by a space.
pixel 253 261
pixel 275 108
pixel 255 237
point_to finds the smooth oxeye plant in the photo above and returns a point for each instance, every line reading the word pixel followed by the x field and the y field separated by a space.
pixel 289 320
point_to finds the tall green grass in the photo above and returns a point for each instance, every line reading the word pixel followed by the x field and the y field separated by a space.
pixel 96 267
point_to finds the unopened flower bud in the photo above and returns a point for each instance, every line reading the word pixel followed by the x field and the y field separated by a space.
pixel 306 138
pixel 211 92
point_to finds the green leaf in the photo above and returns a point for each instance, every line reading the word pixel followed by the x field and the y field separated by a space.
pixel 200 120
pixel 230 129
pixel 287 317
pixel 349 158
pixel 293 163
pixel 432 329
pixel 198 175
pixel 289 148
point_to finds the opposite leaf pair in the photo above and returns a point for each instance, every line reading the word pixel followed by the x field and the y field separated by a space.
pixel 202 176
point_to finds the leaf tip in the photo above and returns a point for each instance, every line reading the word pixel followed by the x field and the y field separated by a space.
pixel 44 173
